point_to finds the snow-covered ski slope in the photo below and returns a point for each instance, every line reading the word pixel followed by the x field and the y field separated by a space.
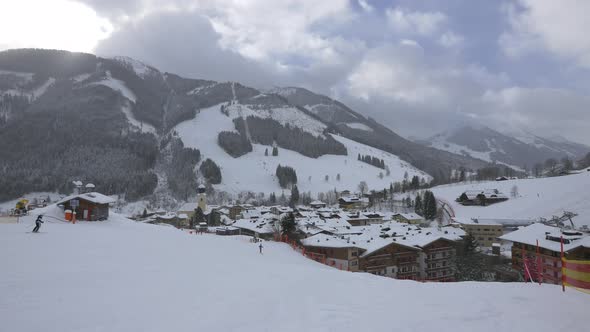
pixel 542 197
pixel 255 171
pixel 123 276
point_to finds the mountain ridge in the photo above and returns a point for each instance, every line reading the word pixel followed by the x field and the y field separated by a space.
pixel 59 97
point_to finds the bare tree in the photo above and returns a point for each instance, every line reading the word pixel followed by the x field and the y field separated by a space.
pixel 363 187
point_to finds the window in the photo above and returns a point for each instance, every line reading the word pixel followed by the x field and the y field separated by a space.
pixel 354 254
pixel 353 263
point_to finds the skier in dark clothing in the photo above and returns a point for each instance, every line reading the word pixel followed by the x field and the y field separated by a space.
pixel 38 223
pixel 260 247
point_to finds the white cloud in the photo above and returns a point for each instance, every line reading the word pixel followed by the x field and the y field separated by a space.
pixel 365 6
pixel 548 112
pixel 57 24
pixel 421 23
pixel 262 29
pixel 450 39
pixel 559 27
pixel 396 73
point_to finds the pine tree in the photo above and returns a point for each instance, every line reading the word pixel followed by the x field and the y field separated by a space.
pixel 266 152
pixel 429 205
pixel 288 225
pixel 199 216
pixel 418 205
pixel 275 151
pixel 272 198
pixel 338 177
pixel 144 214
pixel 294 196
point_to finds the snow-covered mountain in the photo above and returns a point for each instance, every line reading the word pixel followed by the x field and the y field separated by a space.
pixel 130 128
pixel 514 148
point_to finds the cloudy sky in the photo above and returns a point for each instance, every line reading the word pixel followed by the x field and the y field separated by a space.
pixel 418 66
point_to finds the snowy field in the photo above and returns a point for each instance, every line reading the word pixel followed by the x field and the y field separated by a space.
pixel 541 197
pixel 255 172
pixel 123 276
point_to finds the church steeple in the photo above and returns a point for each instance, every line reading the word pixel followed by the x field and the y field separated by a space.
pixel 202 198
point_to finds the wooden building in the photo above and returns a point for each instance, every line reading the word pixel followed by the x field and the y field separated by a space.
pixel 90 206
pixel 393 260
pixel 333 251
pixel 408 218
pixel 437 260
pixel 543 263
pixel 484 231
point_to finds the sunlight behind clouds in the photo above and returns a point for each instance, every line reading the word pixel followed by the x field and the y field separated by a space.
pixel 58 24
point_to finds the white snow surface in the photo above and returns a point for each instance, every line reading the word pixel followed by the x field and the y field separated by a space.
pixel 140 68
pixel 358 125
pixel 256 172
pixel 141 126
pixel 284 115
pixel 117 85
pixel 555 194
pixel 26 76
pixel 34 93
pixel 124 276
pixel 440 143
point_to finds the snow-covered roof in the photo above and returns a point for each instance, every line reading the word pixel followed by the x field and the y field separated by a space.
pixel 190 206
pixel 475 221
pixel 262 225
pixel 167 216
pixel 488 193
pixel 548 237
pixel 328 241
pixel 375 237
pixel 409 216
pixel 94 197
pixel 350 199
pixel 317 203
pixel 316 225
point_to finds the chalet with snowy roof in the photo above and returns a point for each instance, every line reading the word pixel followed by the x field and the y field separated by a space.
pixel 481 197
pixel 396 250
pixel 364 218
pixel 345 193
pixel 409 218
pixel 317 204
pixel 187 209
pixel 315 225
pixel 484 231
pixel 227 231
pixel 260 227
pixel 526 255
pixel 352 202
pixel 338 252
pixel 172 219
pixel 278 210
pixel 89 206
